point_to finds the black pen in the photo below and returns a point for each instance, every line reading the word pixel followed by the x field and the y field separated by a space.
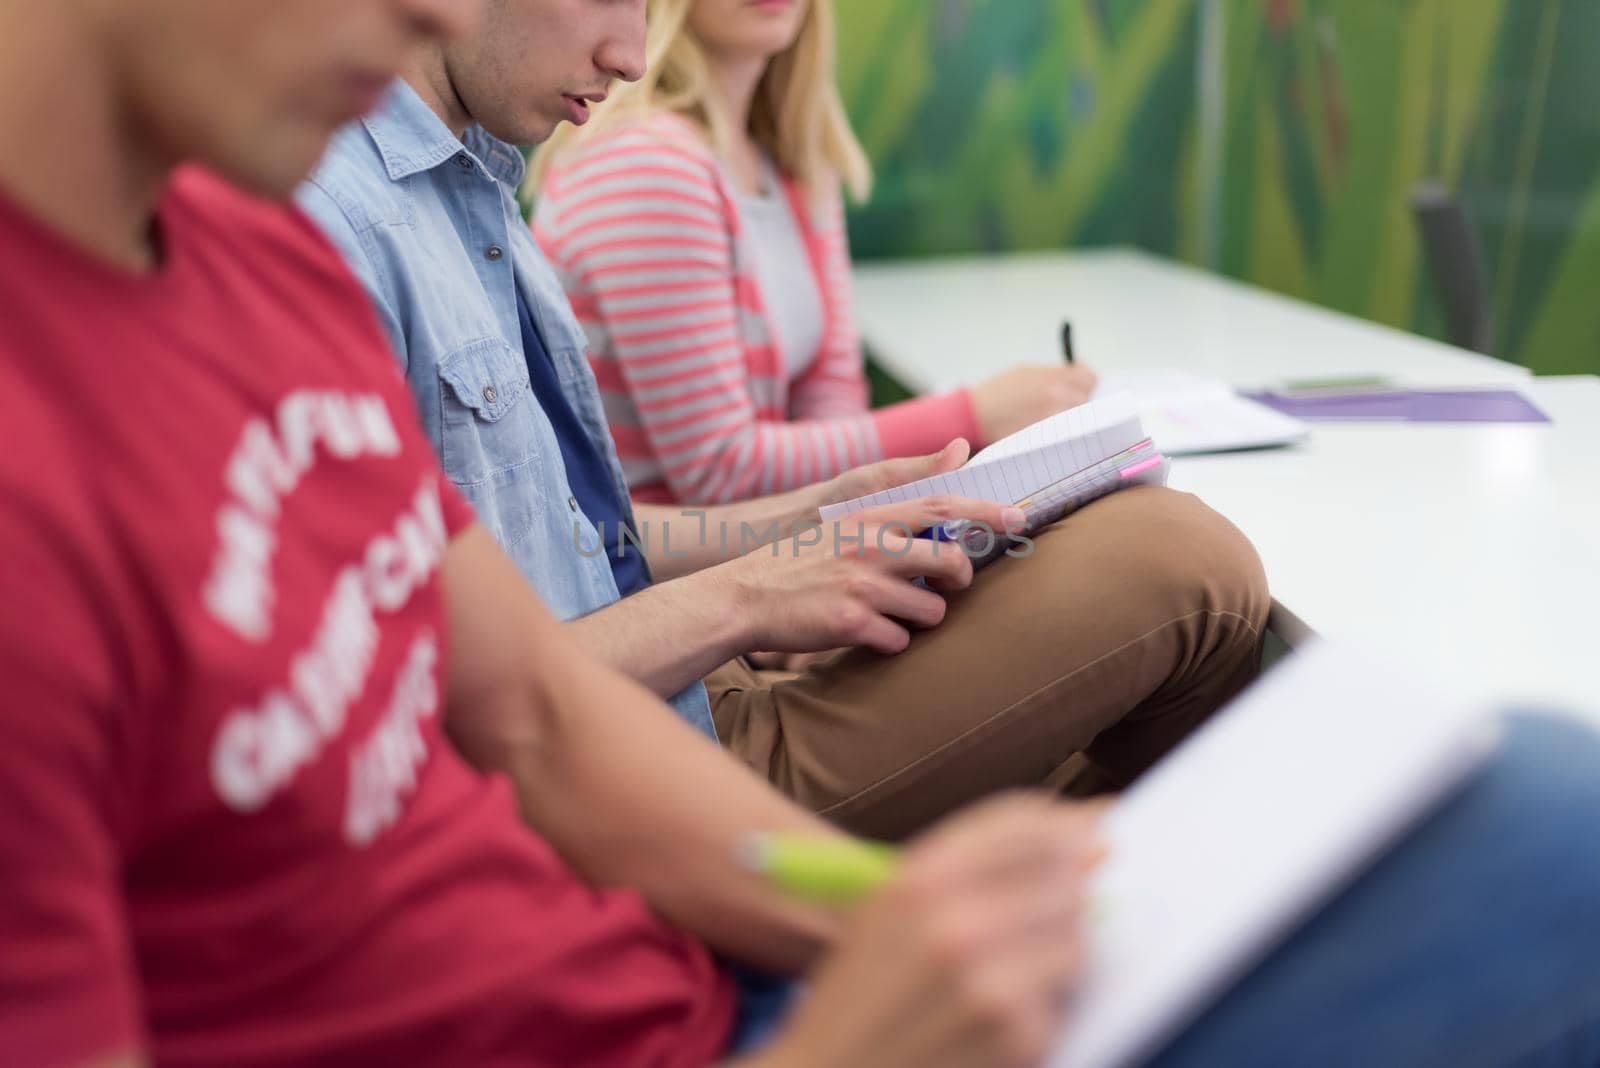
pixel 1066 342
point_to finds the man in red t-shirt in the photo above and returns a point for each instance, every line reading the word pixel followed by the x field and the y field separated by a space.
pixel 243 611
pixel 249 634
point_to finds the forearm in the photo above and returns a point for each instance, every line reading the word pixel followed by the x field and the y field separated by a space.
pixel 671 634
pixel 681 539
pixel 626 792
pixel 631 796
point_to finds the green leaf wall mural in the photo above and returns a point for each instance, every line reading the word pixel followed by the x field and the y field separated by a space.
pixel 1025 124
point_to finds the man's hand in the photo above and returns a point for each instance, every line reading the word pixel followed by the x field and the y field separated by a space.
pixel 967 958
pixel 887 474
pixel 797 589
pixel 1024 395
pixel 712 534
pixel 853 581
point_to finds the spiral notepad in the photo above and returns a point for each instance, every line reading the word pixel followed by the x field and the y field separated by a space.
pixel 1047 469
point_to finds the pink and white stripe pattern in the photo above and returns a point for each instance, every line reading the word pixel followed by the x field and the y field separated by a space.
pixel 643 226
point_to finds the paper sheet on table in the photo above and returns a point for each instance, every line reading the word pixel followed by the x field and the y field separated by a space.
pixel 1186 413
pixel 1249 826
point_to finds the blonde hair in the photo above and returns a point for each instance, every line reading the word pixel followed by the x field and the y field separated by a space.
pixel 797 116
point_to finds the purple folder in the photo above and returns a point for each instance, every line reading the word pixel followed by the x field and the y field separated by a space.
pixel 1408 406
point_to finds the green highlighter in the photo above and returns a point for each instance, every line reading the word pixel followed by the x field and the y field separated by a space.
pixel 826 871
pixel 1346 384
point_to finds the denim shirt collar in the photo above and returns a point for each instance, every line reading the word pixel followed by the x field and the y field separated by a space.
pixel 412 139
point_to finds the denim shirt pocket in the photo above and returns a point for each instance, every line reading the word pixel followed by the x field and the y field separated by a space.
pixel 491 436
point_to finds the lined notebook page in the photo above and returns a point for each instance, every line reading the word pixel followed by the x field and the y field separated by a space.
pixel 1027 461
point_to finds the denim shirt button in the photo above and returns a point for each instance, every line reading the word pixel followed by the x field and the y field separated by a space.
pixel 493 252
pixel 572 502
pixel 463 161
pixel 490 394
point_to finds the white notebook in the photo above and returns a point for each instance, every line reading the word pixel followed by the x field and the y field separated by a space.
pixel 1051 466
pixel 1263 815
pixel 1186 413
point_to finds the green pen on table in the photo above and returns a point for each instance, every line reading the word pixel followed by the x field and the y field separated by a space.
pixel 825 871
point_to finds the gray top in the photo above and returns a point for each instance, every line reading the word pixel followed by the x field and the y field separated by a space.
pixel 783 268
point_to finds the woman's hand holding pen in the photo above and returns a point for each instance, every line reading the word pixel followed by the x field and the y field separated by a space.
pixel 1012 400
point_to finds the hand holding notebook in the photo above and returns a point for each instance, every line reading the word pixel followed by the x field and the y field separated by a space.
pixel 1047 469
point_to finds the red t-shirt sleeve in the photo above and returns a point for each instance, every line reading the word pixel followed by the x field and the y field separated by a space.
pixel 458 514
pixel 67 987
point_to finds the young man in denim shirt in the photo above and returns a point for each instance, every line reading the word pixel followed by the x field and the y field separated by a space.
pixel 1081 664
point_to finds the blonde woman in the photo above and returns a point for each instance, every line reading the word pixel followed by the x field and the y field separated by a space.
pixel 696 219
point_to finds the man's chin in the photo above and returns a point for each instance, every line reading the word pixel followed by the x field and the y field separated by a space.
pixel 524 130
pixel 548 131
pixel 271 173
pixel 551 125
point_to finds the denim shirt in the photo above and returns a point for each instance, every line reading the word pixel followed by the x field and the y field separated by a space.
pixel 429 224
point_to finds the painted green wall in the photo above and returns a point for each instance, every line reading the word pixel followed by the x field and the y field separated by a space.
pixel 1011 124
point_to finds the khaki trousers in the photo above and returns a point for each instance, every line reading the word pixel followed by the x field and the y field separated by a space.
pixel 1131 622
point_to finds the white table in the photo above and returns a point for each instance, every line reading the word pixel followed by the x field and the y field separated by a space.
pixel 1476 549
pixel 937 324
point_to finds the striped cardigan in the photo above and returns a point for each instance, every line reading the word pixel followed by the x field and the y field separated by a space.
pixel 643 226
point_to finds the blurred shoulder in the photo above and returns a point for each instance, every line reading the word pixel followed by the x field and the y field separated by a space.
pixel 269 233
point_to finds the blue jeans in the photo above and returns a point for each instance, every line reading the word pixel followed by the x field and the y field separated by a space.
pixel 764 1000
pixel 1475 941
